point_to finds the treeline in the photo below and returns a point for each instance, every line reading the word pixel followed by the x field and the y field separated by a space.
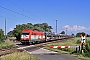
pixel 83 33
pixel 17 30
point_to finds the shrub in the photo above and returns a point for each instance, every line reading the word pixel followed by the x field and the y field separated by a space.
pixel 78 41
pixel 87 49
pixel 6 45
pixel 2 37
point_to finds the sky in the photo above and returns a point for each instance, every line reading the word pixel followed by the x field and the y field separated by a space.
pixel 73 15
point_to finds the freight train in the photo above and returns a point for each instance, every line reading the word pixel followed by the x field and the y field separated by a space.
pixel 33 36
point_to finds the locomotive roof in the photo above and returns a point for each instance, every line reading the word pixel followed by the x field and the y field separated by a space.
pixel 29 30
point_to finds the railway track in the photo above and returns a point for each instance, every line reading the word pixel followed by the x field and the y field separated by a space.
pixel 50 42
pixel 30 48
pixel 43 44
pixel 8 51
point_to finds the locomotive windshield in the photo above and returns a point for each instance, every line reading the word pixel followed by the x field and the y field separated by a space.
pixel 25 33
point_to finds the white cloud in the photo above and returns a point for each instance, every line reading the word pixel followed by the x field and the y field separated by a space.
pixel 76 28
pixel 11 29
pixel 67 26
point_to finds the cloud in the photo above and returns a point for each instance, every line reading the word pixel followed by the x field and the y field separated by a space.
pixel 11 29
pixel 76 28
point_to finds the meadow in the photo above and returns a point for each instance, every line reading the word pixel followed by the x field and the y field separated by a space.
pixel 72 51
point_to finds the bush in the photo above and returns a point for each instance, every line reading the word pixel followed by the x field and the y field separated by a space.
pixel 2 37
pixel 6 45
pixel 78 41
pixel 87 49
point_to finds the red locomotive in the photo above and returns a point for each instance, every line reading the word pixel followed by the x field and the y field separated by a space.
pixel 32 36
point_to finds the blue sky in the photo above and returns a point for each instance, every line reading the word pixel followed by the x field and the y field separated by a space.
pixel 71 14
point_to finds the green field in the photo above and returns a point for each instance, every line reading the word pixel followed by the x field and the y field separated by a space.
pixel 72 42
pixel 19 56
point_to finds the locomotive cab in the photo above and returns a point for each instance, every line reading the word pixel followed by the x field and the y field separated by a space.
pixel 25 36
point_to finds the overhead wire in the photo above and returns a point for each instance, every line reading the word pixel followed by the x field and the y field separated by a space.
pixel 7 13
pixel 23 9
pixel 17 13
pixel 10 18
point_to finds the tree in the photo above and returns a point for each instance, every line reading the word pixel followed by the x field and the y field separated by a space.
pixel 63 32
pixel 72 34
pixel 46 27
pixel 88 35
pixel 38 27
pixel 10 34
pixel 78 34
pixel 29 26
pixel 42 27
pixel 2 37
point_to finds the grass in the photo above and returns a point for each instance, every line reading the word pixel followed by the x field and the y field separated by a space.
pixel 6 45
pixel 19 56
pixel 71 42
pixel 16 55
